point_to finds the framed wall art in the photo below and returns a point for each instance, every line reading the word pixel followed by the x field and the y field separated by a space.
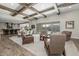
pixel 69 25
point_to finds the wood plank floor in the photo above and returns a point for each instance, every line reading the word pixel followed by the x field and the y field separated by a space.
pixel 76 42
pixel 9 48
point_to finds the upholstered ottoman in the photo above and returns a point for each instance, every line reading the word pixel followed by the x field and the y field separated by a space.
pixel 27 39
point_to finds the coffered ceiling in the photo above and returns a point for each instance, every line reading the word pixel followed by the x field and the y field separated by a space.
pixel 31 11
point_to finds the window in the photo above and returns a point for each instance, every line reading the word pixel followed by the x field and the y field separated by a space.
pixel 49 27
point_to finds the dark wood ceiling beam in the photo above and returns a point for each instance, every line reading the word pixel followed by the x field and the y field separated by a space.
pixel 56 8
pixel 6 8
pixel 51 8
pixel 19 11
pixel 12 10
pixel 65 5
pixel 25 6
pixel 29 6
pixel 37 11
pixel 28 16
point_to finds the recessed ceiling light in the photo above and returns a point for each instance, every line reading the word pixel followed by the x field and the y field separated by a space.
pixel 70 7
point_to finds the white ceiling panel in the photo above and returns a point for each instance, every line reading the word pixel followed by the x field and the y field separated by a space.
pixel 49 12
pixel 28 12
pixel 9 18
pixel 19 16
pixel 31 18
pixel 43 6
pixel 39 15
pixel 11 5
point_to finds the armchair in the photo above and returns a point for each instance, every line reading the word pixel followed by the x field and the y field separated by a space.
pixel 55 45
pixel 68 34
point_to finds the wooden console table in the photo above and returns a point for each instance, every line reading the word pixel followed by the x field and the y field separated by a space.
pixel 9 31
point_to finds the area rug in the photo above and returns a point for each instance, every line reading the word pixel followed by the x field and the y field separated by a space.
pixel 37 48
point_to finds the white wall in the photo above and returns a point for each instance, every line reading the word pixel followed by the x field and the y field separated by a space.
pixel 68 16
pixel 2 26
